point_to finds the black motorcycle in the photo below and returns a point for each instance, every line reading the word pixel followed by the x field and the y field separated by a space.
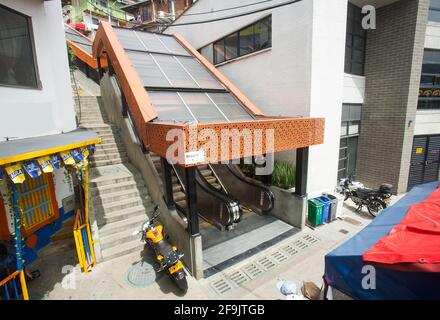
pixel 374 199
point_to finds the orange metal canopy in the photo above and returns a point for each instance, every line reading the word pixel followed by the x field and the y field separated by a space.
pixel 289 132
pixel 79 51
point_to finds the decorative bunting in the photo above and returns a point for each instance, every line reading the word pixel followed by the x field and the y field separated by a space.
pixel 92 149
pixel 16 173
pixel 45 164
pixel 1 174
pixel 67 158
pixel 77 155
pixel 32 168
pixel 85 152
pixel 55 160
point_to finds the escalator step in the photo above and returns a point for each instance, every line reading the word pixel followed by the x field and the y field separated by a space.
pixel 181 203
pixel 216 185
pixel 179 196
pixel 206 172
pixel 211 179
pixel 176 187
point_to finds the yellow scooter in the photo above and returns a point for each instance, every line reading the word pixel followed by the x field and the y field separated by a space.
pixel 166 255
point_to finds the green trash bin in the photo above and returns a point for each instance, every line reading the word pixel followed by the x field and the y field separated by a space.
pixel 315 212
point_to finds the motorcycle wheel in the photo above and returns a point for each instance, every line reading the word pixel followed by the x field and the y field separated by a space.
pixel 375 206
pixel 182 284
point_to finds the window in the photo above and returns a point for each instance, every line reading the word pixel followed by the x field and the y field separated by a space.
pixel 355 42
pixel 252 38
pixel 350 130
pixel 429 93
pixel 434 11
pixel 17 57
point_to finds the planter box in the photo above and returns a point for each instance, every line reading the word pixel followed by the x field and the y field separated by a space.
pixel 289 207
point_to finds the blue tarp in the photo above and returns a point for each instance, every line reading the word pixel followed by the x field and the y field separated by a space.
pixel 343 266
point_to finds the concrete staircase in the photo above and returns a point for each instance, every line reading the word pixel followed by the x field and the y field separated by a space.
pixel 119 199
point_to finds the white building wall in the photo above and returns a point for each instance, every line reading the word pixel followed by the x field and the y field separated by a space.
pixel 301 75
pixel 327 88
pixel 34 112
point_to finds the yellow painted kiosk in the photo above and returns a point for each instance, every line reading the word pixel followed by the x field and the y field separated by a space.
pixel 26 168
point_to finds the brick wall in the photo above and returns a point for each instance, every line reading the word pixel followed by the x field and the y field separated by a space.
pixel 394 57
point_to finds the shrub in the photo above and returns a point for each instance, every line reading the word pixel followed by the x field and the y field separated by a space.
pixel 283 175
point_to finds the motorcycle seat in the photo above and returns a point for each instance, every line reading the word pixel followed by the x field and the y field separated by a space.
pixel 365 190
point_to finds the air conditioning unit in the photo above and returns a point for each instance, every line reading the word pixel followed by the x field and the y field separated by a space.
pixel 161 14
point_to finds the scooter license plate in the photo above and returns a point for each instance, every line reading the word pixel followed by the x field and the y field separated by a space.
pixel 176 267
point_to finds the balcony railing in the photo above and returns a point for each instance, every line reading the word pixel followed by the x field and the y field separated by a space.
pixel 114 12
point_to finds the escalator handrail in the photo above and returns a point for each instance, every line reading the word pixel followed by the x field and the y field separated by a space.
pixel 205 185
pixel 218 179
pixel 253 183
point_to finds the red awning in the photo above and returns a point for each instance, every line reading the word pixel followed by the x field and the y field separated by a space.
pixel 416 239
pixel 78 25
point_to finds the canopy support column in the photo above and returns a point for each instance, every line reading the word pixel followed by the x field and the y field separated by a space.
pixel 302 161
pixel 191 200
pixel 167 183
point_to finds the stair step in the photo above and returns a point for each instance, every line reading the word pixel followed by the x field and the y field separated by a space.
pixel 96 126
pixel 119 238
pixel 128 185
pixel 99 156
pixel 133 222
pixel 102 163
pixel 112 197
pixel 109 153
pixel 117 208
pixel 122 249
pixel 111 180
pixel 124 214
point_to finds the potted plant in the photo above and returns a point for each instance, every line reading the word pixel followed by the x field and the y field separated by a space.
pixel 288 207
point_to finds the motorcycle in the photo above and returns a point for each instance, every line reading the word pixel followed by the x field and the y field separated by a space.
pixel 374 199
pixel 167 256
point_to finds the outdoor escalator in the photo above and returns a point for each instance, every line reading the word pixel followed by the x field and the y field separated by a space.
pixel 248 192
pixel 222 194
pixel 213 205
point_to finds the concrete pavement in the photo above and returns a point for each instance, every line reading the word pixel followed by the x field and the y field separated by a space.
pixel 253 278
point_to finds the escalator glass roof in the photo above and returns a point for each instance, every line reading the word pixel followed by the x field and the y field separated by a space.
pixel 78 39
pixel 180 88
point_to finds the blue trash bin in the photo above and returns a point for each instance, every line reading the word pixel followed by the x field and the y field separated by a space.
pixel 326 208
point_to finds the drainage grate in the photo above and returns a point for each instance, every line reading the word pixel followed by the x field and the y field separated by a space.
pixel 256 268
pixel 266 263
pixel 301 245
pixel 252 270
pixel 238 278
pixel 344 231
pixel 221 286
pixel 290 250
pixel 310 239
pixel 278 256
pixel 141 274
